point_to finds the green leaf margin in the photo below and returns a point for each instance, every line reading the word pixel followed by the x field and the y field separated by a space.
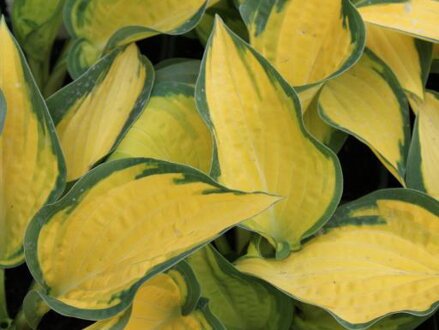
pixel 258 12
pixel 183 70
pixel 388 75
pixel 203 109
pixel 61 102
pixel 366 3
pixel 342 218
pixel 414 177
pixel 42 113
pixel 73 196
pixel 132 32
pixel 282 301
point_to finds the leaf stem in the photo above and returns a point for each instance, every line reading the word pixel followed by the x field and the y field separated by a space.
pixel 5 321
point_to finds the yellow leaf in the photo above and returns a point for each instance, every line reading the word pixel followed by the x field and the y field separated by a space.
pixel 31 164
pixel 92 113
pixel 114 323
pixel 415 17
pixel 98 25
pixel 326 134
pixel 378 256
pixel 368 102
pixel 422 168
pixel 162 303
pixel 170 128
pixel 261 143
pixel 122 223
pixel 307 41
pixel 407 57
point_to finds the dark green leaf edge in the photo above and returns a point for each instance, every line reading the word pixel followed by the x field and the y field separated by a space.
pixel 341 218
pixel 46 126
pixel 365 3
pixel 203 109
pixel 414 175
pixel 283 303
pixel 74 196
pixel 62 101
pixel 133 32
pixel 179 70
pixel 3 107
pixel 258 12
pixel 388 75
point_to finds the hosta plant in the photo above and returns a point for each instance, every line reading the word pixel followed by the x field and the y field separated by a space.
pixel 144 189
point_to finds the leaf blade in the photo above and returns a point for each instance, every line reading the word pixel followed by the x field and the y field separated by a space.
pixel 384 242
pixel 92 113
pixel 128 249
pixel 243 119
pixel 31 159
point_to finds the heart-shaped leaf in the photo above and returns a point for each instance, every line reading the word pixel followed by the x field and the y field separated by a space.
pixel 261 143
pixel 378 256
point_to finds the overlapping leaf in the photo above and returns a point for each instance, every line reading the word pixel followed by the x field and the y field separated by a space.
pixel 229 13
pixel 307 41
pixel 2 114
pixel 239 301
pixel 407 57
pixel 92 113
pixel 308 317
pixel 178 70
pixel 170 128
pixel 415 17
pixel 139 217
pixel 326 134
pixel 422 171
pixel 378 256
pixel 261 143
pixel 363 102
pixel 31 163
pixel 98 25
pixel 167 301
pixel 36 24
